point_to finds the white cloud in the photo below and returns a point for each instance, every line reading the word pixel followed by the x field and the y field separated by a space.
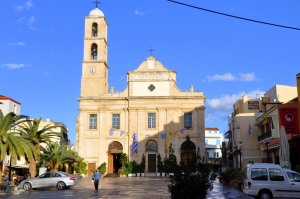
pixel 225 102
pixel 14 66
pixel 17 44
pixel 218 109
pixel 231 77
pixel 139 13
pixel 225 77
pixel 29 4
pixel 31 20
pixel 247 76
pixel 19 8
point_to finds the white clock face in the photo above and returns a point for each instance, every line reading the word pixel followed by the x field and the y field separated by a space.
pixel 92 69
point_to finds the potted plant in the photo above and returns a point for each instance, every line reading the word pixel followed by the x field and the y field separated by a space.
pixel 143 165
pixel 128 169
pixel 134 167
pixel 102 169
pixel 222 178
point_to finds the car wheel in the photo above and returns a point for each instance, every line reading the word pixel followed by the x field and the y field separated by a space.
pixel 265 195
pixel 61 185
pixel 27 186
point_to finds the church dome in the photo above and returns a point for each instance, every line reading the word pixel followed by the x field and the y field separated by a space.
pixel 96 13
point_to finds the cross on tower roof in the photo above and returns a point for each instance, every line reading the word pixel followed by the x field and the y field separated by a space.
pixel 151 50
pixel 96 3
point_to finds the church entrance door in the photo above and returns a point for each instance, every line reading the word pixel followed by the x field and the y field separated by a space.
pixel 151 163
pixel 114 162
pixel 115 149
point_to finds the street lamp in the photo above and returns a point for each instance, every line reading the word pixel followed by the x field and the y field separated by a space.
pixel 267 141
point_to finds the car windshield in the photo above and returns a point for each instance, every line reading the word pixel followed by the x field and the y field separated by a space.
pixel 294 177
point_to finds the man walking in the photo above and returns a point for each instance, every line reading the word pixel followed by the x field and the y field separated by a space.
pixel 96 178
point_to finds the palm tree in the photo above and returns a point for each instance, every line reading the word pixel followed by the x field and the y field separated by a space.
pixel 32 132
pixel 56 155
pixel 11 141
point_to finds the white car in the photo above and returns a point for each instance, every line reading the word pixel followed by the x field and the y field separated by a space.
pixel 266 180
pixel 58 179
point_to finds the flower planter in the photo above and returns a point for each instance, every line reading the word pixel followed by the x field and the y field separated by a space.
pixel 162 174
pixel 131 175
pixel 142 174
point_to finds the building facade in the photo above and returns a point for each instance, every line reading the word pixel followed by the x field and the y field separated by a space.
pixel 145 118
pixel 254 127
pixel 213 144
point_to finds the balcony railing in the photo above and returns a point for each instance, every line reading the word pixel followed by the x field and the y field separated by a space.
pixel 264 136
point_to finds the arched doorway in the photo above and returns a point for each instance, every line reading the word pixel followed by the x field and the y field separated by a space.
pixel 151 148
pixel 114 152
pixel 187 150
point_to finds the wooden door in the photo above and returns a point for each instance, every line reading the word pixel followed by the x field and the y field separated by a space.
pixel 110 163
pixel 151 163
pixel 91 168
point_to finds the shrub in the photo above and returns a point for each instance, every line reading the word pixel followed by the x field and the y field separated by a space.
pixel 192 179
pixel 230 173
pixel 128 168
pixel 160 164
pixel 102 168
pixel 135 167
pixel 143 164
pixel 170 161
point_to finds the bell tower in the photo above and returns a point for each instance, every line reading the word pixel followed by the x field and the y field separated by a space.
pixel 94 80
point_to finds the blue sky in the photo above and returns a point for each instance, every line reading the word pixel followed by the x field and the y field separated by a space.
pixel 42 49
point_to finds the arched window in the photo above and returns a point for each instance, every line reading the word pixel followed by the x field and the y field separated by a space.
pixel 151 145
pixel 94 51
pixel 94 30
pixel 187 150
pixel 115 147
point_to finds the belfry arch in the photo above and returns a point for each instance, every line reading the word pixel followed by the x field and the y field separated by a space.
pixel 115 149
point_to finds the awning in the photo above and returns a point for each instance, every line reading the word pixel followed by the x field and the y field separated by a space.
pixel 17 166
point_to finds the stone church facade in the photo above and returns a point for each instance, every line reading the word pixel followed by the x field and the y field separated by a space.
pixel 151 108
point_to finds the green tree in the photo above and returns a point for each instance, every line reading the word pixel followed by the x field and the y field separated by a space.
pixel 11 141
pixel 55 155
pixel 82 169
pixel 170 161
pixel 192 179
pixel 33 133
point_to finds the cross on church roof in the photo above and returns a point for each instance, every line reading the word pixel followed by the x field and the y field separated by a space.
pixel 96 3
pixel 151 50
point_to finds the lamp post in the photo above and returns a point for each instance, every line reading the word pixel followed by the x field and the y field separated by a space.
pixel 267 141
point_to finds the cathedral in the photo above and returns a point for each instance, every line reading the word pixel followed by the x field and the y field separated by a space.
pixel 144 119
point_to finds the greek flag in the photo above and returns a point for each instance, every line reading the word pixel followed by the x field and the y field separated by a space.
pixel 122 132
pixel 249 129
pixel 181 131
pixel 135 143
pixel 111 132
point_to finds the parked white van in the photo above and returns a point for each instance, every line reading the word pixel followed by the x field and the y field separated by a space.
pixel 267 180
